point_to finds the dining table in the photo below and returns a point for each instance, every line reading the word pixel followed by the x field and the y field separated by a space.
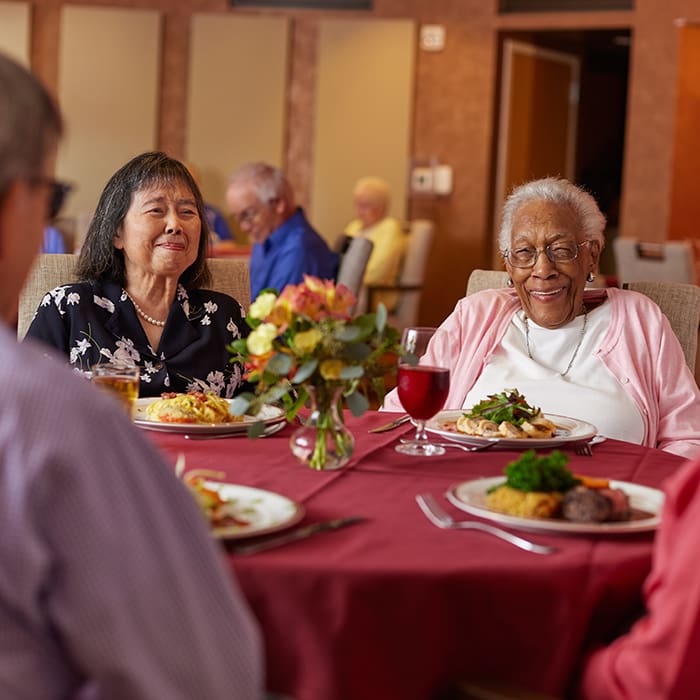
pixel 395 607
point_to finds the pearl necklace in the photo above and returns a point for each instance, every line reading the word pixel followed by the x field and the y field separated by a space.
pixel 144 315
pixel 576 349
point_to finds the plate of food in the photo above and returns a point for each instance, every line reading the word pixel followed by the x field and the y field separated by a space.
pixel 235 511
pixel 511 422
pixel 197 412
pixel 539 493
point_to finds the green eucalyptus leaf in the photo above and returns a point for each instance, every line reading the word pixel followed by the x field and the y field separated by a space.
pixel 357 352
pixel 380 317
pixel 240 404
pixel 347 334
pixel 352 372
pixel 276 392
pixel 256 429
pixel 357 403
pixel 279 364
pixel 305 371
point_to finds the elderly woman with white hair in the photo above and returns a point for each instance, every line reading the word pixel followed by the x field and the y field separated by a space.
pixel 371 196
pixel 608 357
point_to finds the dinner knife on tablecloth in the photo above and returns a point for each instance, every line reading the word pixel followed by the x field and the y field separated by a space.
pixel 300 534
pixel 390 426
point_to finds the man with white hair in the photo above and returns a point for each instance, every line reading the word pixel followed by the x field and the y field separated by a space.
pixel 110 584
pixel 285 245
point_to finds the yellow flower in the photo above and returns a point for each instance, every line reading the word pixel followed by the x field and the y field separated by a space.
pixel 260 340
pixel 262 306
pixel 330 369
pixel 305 342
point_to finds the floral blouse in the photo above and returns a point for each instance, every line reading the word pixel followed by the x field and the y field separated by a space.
pixel 93 322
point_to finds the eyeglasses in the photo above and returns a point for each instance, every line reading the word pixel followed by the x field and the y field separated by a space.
pixel 249 215
pixel 556 252
pixel 59 192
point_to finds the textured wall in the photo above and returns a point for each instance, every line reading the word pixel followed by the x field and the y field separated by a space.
pixel 454 110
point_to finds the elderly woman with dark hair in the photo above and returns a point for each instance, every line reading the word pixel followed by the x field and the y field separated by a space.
pixel 141 297
pixel 610 358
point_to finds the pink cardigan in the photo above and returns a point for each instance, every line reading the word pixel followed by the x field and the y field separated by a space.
pixel 639 348
pixel 658 658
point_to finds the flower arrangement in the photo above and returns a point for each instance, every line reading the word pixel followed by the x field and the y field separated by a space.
pixel 305 344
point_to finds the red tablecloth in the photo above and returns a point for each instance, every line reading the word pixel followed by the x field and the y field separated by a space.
pixel 394 607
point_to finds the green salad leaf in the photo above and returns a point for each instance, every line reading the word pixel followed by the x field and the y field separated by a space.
pixel 510 405
pixel 545 473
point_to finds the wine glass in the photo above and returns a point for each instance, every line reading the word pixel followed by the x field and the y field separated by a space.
pixel 422 389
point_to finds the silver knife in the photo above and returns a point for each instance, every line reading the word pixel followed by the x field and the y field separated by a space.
pixel 301 534
pixel 390 426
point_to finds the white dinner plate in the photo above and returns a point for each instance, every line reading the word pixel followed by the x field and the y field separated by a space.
pixel 568 430
pixel 470 496
pixel 265 511
pixel 268 415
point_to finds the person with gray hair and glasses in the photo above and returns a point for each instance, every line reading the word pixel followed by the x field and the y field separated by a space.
pixel 285 245
pixel 608 357
pixel 110 583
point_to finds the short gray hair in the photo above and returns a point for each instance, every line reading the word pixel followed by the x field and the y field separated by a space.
pixel 268 182
pixel 558 191
pixel 30 123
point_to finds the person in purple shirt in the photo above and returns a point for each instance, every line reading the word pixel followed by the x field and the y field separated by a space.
pixel 285 245
pixel 110 583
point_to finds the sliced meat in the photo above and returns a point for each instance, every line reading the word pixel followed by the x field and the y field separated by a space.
pixel 583 505
pixel 508 430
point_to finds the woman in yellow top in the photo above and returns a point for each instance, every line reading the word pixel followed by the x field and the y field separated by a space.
pixel 371 195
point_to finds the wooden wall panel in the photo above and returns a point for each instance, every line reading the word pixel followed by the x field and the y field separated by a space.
pixel 684 219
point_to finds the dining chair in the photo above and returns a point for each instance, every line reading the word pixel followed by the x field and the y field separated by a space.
pixel 48 271
pixel 353 262
pixel 672 261
pixel 680 304
pixel 411 277
pixel 486 279
pixel 229 275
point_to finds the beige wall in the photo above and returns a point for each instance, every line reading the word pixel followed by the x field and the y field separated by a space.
pixel 453 110
pixel 14 30
pixel 237 95
pixel 364 96
pixel 110 105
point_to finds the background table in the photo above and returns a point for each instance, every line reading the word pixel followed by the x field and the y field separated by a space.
pixel 394 607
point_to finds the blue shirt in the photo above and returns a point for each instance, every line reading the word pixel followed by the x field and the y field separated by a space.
pixel 53 241
pixel 217 223
pixel 293 250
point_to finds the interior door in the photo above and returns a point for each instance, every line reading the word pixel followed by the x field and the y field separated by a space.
pixel 538 115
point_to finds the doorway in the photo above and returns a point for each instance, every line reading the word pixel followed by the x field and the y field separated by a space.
pixel 597 127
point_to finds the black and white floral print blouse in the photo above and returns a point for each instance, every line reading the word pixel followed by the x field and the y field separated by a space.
pixel 93 322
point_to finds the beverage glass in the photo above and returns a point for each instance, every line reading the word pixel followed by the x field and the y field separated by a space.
pixel 422 389
pixel 120 380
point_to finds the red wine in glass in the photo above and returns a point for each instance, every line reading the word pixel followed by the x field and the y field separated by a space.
pixel 423 389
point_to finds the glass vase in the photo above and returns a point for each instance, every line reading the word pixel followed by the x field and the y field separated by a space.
pixel 323 442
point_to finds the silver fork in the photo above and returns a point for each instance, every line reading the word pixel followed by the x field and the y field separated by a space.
pixel 465 448
pixel 439 517
pixel 584 449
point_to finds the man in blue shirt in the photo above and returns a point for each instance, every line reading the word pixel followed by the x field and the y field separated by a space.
pixel 285 245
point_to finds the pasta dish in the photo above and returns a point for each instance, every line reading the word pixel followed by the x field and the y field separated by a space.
pixel 193 407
